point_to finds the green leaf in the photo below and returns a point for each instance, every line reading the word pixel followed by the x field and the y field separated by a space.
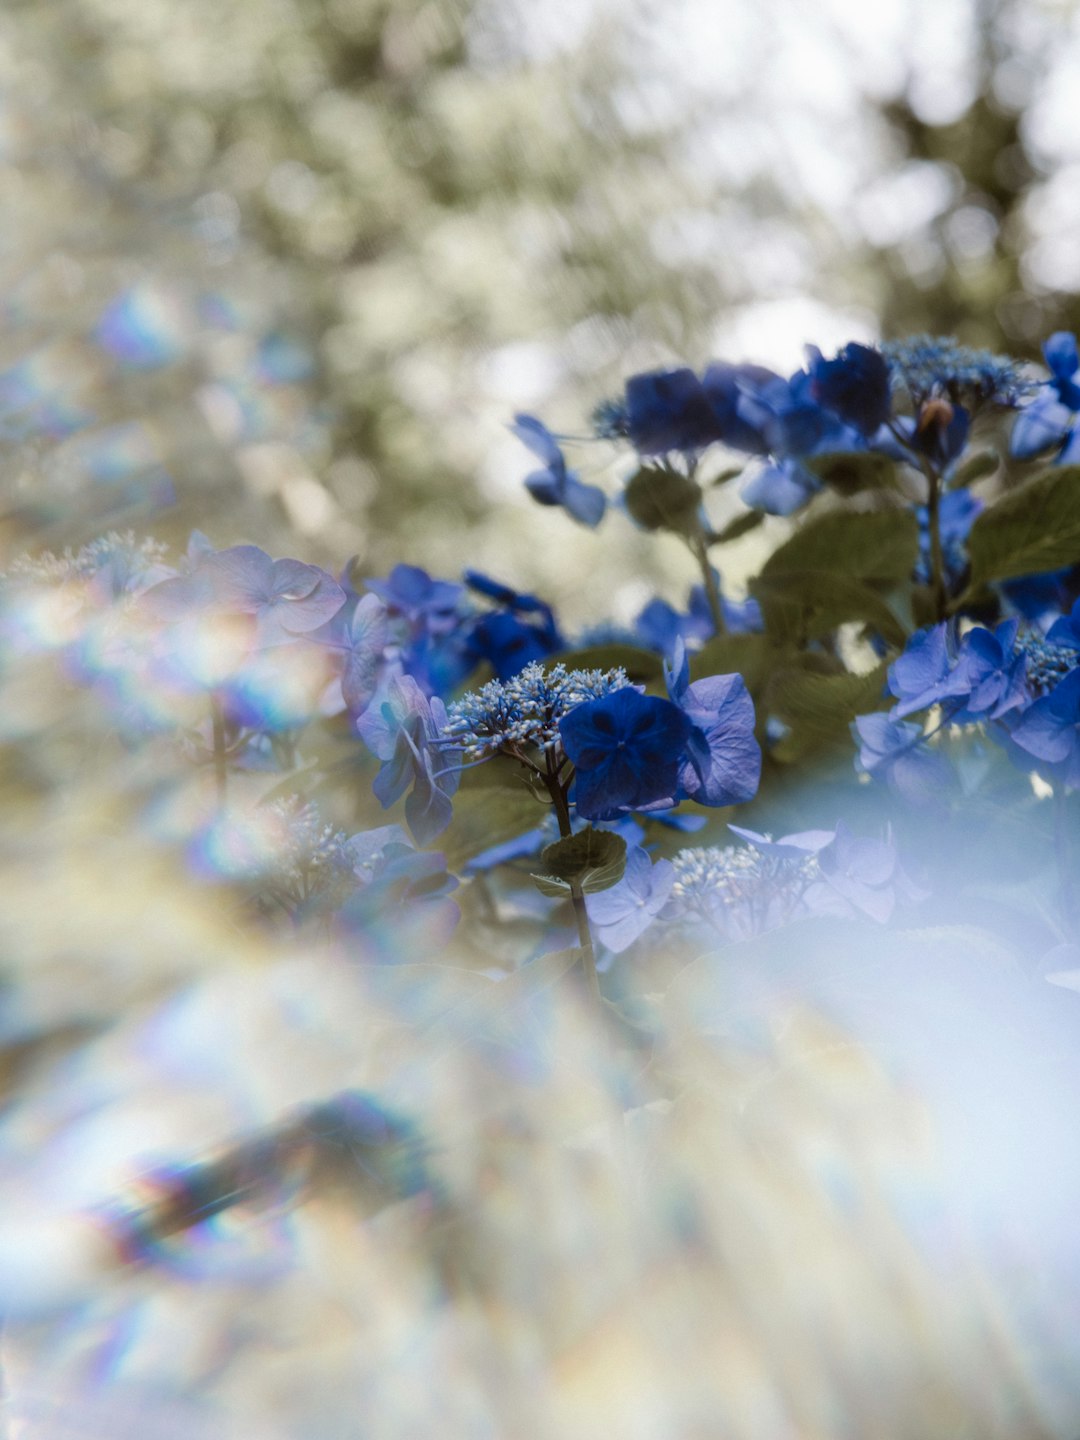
pixel 729 472
pixel 593 859
pixel 820 708
pixel 552 888
pixel 659 497
pixel 1029 531
pixel 804 605
pixel 978 467
pixel 849 471
pixel 741 525
pixel 751 656
pixel 877 546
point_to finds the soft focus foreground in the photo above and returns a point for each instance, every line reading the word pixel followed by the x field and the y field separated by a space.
pixel 431 1007
pixel 489 1209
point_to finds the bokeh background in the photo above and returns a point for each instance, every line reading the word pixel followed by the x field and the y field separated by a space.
pixel 331 246
pixel 282 270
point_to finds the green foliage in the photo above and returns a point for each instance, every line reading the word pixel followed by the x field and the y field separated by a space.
pixel 1032 529
pixel 850 471
pixel 592 859
pixel 879 546
pixel 819 707
pixel 659 497
pixel 978 467
pixel 808 605
pixel 737 528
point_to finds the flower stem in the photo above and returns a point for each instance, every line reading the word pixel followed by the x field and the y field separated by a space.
pixel 712 590
pixel 937 557
pixel 577 896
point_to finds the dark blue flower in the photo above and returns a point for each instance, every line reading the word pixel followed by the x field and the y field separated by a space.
pixel 555 484
pixel 855 386
pixel 509 639
pixel 668 410
pixel 627 750
pixel 983 678
pixel 410 591
pixel 723 759
pixel 623 912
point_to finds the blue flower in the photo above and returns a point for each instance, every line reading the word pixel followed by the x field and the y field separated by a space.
pixel 504 639
pixel 1049 419
pixel 855 386
pixel 865 873
pixel 623 912
pixel 627 750
pixel 669 410
pixel 401 727
pixel 894 752
pixel 410 591
pixel 1049 730
pixel 285 598
pixel 723 764
pixel 555 484
pixel 983 679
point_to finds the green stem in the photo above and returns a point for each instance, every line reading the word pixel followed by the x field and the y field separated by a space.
pixel 577 895
pixel 937 557
pixel 712 590
pixel 217 721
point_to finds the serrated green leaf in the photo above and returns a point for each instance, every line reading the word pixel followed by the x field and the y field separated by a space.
pixel 659 497
pixel 741 525
pixel 751 656
pixel 849 471
pixel 876 546
pixel 820 708
pixel 1029 531
pixel 978 467
pixel 553 888
pixel 806 605
pixel 593 859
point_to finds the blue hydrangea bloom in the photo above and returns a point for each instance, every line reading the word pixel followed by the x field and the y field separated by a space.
pixel 669 410
pixel 1049 730
pixel 982 679
pixel 402 728
pixel 864 872
pixel 623 912
pixel 855 386
pixel 285 598
pixel 893 752
pixel 1048 420
pixel 555 484
pixel 723 759
pixel 627 750
pixel 523 631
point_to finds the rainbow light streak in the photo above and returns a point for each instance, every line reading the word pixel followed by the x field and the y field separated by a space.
pixel 145 328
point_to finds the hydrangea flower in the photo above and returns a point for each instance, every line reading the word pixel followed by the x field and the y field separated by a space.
pixel 893 752
pixel 555 484
pixel 402 728
pixel 1050 417
pixel 669 410
pixel 1049 731
pixel 626 749
pixel 623 912
pixel 284 598
pixel 723 764
pixel 522 631
pixel 983 679
pixel 525 712
pixel 855 386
